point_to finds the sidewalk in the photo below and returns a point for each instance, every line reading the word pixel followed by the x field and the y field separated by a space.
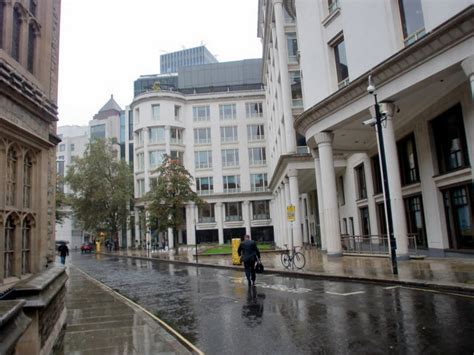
pixel 102 322
pixel 453 274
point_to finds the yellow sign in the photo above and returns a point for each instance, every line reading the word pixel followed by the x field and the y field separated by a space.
pixel 235 254
pixel 290 212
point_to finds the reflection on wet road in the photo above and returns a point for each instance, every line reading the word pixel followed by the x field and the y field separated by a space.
pixel 216 310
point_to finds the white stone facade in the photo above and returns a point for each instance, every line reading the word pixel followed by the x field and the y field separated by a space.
pixel 423 83
pixel 210 134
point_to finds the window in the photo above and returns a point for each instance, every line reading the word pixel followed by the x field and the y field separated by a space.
pixel 253 109
pixel 177 113
pixel 342 70
pixel 233 211
pixel 11 177
pixel 261 209
pixel 9 248
pixel 27 181
pixel 202 135
pixel 201 113
pixel 377 174
pixel 140 161
pixel 205 185
pixel 155 109
pixel 231 183
pixel 255 132
pixel 140 187
pixel 227 112
pixel 31 47
pixel 230 157
pixel 203 159
pixel 130 125
pixel 408 160
pixel 206 213
pixel 360 181
pixel 292 44
pixel 296 93
pixel 351 224
pixel 156 135
pixel 450 140
pixel 333 5
pixel 139 138
pixel 98 131
pixel 72 147
pixel 382 219
pixel 257 156
pixel 459 216
pixel 62 147
pixel 416 220
pixel 26 247
pixel 229 134
pixel 365 221
pixel 155 158
pixel 16 34
pixel 344 226
pixel 137 115
pixel 413 25
pixel 258 182
pixel 176 135
pixel 177 155
pixel 342 196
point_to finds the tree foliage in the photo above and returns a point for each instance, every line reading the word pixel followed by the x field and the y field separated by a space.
pixel 61 213
pixel 168 197
pixel 102 187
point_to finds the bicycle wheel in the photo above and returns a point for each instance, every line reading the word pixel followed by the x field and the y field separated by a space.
pixel 298 260
pixel 285 260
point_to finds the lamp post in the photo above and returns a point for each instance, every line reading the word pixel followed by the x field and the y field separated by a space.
pixel 386 190
pixel 196 242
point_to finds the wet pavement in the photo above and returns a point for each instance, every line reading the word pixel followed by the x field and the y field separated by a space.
pixel 214 309
pixel 448 273
pixel 100 322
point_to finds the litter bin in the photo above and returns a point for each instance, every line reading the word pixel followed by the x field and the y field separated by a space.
pixel 235 254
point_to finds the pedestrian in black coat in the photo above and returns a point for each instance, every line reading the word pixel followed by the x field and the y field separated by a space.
pixel 248 252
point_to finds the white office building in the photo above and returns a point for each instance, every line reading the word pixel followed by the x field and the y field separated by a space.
pixel 318 56
pixel 215 124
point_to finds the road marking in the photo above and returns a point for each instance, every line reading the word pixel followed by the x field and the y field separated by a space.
pixel 391 287
pixel 345 294
pixel 277 287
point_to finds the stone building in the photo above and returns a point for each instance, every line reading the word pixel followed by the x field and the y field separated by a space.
pixel 318 56
pixel 32 290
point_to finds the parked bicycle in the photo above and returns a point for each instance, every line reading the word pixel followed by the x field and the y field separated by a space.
pixel 292 257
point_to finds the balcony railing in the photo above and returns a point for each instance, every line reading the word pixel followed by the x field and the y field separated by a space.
pixel 415 36
pixel 206 219
pixel 373 244
pixel 233 218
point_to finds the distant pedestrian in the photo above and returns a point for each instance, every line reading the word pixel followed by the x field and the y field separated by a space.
pixel 248 252
pixel 63 251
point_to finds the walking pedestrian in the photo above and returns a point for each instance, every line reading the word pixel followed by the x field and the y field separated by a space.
pixel 63 251
pixel 248 252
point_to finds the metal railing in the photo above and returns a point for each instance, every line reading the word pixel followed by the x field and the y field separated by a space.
pixel 373 244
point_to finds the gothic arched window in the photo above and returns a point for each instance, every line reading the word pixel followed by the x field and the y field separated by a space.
pixel 26 247
pixel 9 249
pixel 16 34
pixel 27 181
pixel 11 176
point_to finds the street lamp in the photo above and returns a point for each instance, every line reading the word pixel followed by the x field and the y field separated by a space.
pixel 196 242
pixel 379 117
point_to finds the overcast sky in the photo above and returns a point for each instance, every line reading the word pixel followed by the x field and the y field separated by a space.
pixel 107 44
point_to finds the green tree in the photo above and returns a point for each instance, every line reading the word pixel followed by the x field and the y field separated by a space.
pixel 61 213
pixel 168 197
pixel 102 187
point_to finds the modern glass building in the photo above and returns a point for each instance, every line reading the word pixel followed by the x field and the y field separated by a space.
pixel 171 62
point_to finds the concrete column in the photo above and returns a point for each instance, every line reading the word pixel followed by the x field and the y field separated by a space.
pixel 273 219
pixel 220 221
pixel 290 241
pixel 328 179
pixel 246 216
pixel 190 222
pixel 295 201
pixel 170 238
pixel 282 216
pixel 395 186
pixel 284 76
pixel 319 195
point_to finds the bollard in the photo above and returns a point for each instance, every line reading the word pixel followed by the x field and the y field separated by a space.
pixel 97 247
pixel 235 254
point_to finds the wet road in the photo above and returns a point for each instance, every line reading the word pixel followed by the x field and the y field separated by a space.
pixel 215 310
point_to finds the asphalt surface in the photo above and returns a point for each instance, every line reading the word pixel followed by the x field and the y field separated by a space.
pixel 215 310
